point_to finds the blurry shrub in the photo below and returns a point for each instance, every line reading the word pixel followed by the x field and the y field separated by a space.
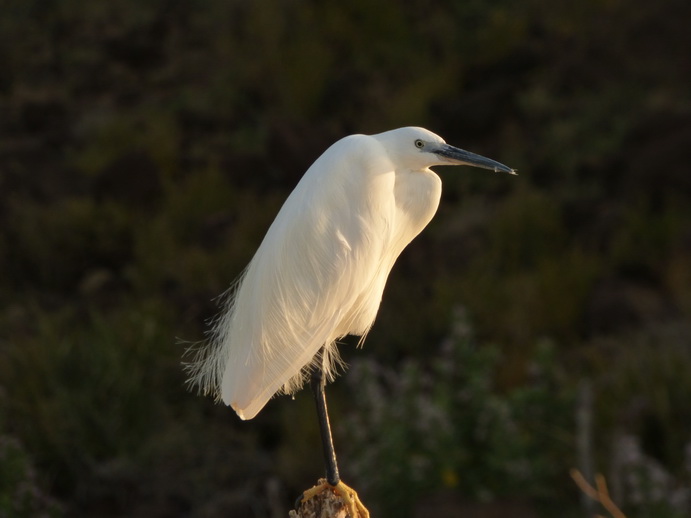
pixel 646 487
pixel 526 228
pixel 645 240
pixel 100 402
pixel 529 259
pixel 52 245
pixel 678 280
pixel 441 423
pixel 109 135
pixel 202 236
pixel 645 389
pixel 21 494
pixel 87 387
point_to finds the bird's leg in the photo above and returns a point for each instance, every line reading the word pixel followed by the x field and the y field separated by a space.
pixel 317 383
pixel 333 480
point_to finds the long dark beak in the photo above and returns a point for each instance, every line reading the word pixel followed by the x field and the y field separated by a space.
pixel 458 156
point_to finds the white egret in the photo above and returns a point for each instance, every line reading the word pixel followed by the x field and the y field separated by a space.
pixel 320 272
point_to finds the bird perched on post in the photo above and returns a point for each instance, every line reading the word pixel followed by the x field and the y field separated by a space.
pixel 319 274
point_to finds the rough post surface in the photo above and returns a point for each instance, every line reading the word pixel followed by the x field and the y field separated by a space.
pixel 325 505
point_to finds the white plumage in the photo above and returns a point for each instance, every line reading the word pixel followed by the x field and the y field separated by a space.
pixel 320 271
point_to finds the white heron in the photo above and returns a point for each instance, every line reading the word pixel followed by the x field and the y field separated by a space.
pixel 320 272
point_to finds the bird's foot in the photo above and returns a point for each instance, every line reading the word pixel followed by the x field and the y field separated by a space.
pixel 347 495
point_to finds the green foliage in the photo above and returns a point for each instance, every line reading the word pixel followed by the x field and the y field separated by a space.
pixel 21 495
pixel 112 135
pixel 646 239
pixel 100 402
pixel 529 258
pixel 47 242
pixel 195 226
pixel 80 393
pixel 417 428
pixel 659 411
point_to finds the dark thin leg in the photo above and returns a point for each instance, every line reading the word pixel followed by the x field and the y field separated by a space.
pixel 317 384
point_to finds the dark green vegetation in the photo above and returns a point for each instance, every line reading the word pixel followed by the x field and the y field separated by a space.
pixel 145 148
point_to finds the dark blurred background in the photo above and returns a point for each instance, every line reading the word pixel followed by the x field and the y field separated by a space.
pixel 541 322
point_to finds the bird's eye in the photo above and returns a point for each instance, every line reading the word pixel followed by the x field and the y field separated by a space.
pixel 419 144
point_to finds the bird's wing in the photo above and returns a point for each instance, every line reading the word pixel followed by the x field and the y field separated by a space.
pixel 309 281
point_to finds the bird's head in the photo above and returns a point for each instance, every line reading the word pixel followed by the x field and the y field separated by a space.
pixel 418 148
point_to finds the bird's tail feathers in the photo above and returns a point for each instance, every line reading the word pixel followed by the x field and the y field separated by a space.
pixel 208 358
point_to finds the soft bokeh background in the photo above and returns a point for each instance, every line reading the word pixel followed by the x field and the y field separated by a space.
pixel 541 322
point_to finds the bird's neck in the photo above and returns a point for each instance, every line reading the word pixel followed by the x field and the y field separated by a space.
pixel 417 196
